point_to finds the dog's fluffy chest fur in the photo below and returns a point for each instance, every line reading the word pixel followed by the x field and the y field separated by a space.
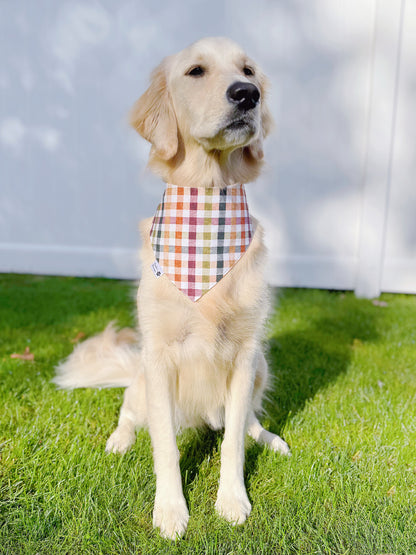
pixel 202 340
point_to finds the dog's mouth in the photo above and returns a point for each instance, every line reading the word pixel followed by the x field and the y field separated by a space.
pixel 234 132
pixel 240 127
pixel 237 124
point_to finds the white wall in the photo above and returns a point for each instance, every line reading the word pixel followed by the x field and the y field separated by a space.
pixel 337 198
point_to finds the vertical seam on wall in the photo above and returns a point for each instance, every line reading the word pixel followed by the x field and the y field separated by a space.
pixel 392 135
pixel 364 173
pixel 384 196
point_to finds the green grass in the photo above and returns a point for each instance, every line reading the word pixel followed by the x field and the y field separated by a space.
pixel 344 397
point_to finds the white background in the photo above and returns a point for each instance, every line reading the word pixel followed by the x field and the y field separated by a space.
pixel 338 196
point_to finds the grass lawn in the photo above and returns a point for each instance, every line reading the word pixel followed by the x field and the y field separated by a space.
pixel 344 398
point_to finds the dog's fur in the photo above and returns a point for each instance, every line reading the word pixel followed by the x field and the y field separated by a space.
pixel 192 363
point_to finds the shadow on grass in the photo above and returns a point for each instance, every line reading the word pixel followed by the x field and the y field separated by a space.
pixel 44 302
pixel 307 360
pixel 197 446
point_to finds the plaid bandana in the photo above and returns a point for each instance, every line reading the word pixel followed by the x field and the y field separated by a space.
pixel 198 235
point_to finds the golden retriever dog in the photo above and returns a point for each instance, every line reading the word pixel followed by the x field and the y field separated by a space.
pixel 193 362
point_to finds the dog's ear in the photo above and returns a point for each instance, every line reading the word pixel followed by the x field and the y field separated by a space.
pixel 153 115
pixel 266 120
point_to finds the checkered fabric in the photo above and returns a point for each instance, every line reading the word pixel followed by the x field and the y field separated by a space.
pixel 198 235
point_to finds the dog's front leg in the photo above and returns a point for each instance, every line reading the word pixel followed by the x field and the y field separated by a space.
pixel 170 512
pixel 232 501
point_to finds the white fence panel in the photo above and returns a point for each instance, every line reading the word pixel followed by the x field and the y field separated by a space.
pixel 399 261
pixel 337 197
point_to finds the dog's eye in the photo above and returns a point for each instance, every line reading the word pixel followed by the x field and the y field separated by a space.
pixel 196 71
pixel 248 71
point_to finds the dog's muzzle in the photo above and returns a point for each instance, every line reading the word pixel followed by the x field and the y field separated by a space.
pixel 244 95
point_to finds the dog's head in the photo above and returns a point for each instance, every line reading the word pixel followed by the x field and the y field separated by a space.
pixel 211 94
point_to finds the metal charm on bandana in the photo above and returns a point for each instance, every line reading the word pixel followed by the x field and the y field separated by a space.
pixel 198 235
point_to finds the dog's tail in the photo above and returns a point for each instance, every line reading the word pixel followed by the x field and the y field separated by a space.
pixel 110 359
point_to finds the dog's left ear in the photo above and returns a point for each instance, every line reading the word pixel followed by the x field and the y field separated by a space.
pixel 256 147
pixel 153 116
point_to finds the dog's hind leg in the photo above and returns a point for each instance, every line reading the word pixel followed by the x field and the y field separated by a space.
pixel 254 428
pixel 132 416
pixel 264 437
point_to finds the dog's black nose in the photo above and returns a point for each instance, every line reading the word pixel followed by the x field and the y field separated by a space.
pixel 245 95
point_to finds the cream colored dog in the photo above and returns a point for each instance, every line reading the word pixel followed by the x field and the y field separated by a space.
pixel 193 363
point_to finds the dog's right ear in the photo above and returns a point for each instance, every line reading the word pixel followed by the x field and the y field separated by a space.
pixel 153 116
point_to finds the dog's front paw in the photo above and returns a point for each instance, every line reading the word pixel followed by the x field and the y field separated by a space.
pixel 171 517
pixel 120 440
pixel 233 504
